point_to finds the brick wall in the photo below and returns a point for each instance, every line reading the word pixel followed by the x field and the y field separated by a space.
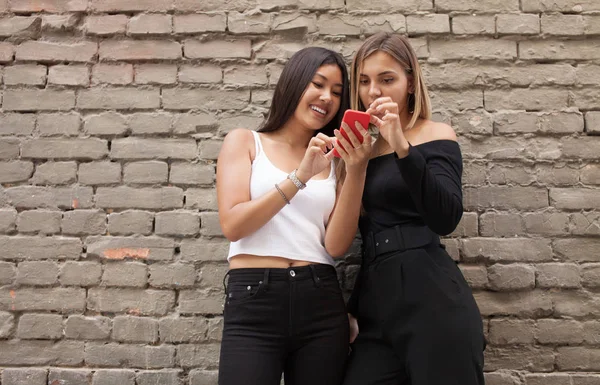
pixel 112 117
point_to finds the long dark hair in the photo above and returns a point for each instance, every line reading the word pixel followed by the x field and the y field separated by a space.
pixel 296 76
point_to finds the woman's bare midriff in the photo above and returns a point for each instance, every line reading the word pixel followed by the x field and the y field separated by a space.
pixel 243 261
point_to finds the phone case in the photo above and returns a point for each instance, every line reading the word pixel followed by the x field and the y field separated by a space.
pixel 351 116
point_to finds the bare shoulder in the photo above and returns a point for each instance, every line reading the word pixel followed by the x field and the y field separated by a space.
pixel 438 131
pixel 238 141
pixel 239 135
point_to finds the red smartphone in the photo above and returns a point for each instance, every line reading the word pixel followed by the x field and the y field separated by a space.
pixel 350 117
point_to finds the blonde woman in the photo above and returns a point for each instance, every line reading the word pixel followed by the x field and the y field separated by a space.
pixel 413 317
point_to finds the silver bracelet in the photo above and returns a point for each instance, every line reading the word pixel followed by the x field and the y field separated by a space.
pixel 295 180
pixel 282 194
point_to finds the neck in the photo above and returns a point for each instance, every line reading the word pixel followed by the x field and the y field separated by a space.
pixel 294 134
pixel 381 147
pixel 405 118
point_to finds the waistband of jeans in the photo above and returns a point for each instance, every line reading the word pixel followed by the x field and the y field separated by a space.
pixel 397 239
pixel 313 271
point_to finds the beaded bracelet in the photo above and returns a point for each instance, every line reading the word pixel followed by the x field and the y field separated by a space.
pixel 282 194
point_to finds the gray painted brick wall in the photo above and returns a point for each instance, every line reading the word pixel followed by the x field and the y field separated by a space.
pixel 112 116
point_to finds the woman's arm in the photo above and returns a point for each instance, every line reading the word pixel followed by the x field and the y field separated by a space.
pixel 343 222
pixel 435 186
pixel 238 214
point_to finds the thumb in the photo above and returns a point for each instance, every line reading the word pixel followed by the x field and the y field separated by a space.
pixel 376 121
pixel 329 156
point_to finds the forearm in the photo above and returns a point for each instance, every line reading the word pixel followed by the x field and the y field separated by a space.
pixel 245 218
pixel 343 224
pixel 436 192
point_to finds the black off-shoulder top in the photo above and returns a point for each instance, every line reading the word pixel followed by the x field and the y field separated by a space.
pixel 423 188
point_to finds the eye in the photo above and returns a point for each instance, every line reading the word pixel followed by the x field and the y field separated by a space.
pixel 337 93
pixel 364 81
pixel 388 80
pixel 318 85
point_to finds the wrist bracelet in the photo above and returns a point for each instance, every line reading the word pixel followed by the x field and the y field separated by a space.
pixel 282 194
pixel 295 180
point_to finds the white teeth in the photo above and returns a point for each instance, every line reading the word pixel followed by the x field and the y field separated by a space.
pixel 319 110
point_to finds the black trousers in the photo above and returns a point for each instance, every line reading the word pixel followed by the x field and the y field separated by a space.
pixel 290 321
pixel 418 322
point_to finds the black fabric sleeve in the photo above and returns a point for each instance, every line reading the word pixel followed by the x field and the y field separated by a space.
pixel 435 184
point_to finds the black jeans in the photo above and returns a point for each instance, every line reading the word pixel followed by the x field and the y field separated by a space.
pixel 418 323
pixel 284 320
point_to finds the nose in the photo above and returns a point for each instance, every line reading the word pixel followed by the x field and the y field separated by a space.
pixel 325 96
pixel 374 91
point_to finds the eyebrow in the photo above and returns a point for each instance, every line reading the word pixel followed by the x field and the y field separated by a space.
pixel 324 77
pixel 388 72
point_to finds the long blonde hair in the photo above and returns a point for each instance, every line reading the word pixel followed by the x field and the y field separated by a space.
pixel 398 47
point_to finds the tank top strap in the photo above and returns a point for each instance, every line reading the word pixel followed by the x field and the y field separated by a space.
pixel 257 143
pixel 332 170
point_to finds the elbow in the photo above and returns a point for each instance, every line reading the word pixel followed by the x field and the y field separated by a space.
pixel 335 254
pixel 232 236
pixel 448 224
pixel 443 229
pixel 335 251
pixel 230 232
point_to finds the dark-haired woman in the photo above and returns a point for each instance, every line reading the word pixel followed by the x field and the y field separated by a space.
pixel 287 217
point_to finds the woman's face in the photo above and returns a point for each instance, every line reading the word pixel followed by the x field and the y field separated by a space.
pixel 382 75
pixel 321 99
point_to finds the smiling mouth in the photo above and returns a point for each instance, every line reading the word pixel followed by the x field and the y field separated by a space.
pixel 319 110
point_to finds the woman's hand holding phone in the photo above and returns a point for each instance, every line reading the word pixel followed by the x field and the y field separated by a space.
pixel 353 143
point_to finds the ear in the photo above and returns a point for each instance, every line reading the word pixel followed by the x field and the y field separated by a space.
pixel 411 84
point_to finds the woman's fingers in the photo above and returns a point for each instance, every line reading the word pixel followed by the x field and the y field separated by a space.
pixel 381 100
pixel 342 144
pixel 328 140
pixel 320 143
pixel 341 151
pixel 376 121
pixel 351 135
pixel 390 116
pixel 360 128
pixel 365 134
pixel 330 155
pixel 353 323
pixel 387 107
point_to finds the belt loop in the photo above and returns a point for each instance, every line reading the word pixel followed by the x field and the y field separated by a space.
pixel 315 277
pixel 266 277
pixel 225 283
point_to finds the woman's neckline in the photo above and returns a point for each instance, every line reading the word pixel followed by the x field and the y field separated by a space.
pixel 416 145
pixel 264 154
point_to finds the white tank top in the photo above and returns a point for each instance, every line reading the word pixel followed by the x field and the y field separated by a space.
pixel 298 230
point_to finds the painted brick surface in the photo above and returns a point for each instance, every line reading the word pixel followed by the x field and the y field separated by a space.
pixel 113 114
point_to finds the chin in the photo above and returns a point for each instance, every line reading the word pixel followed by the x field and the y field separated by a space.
pixel 318 125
